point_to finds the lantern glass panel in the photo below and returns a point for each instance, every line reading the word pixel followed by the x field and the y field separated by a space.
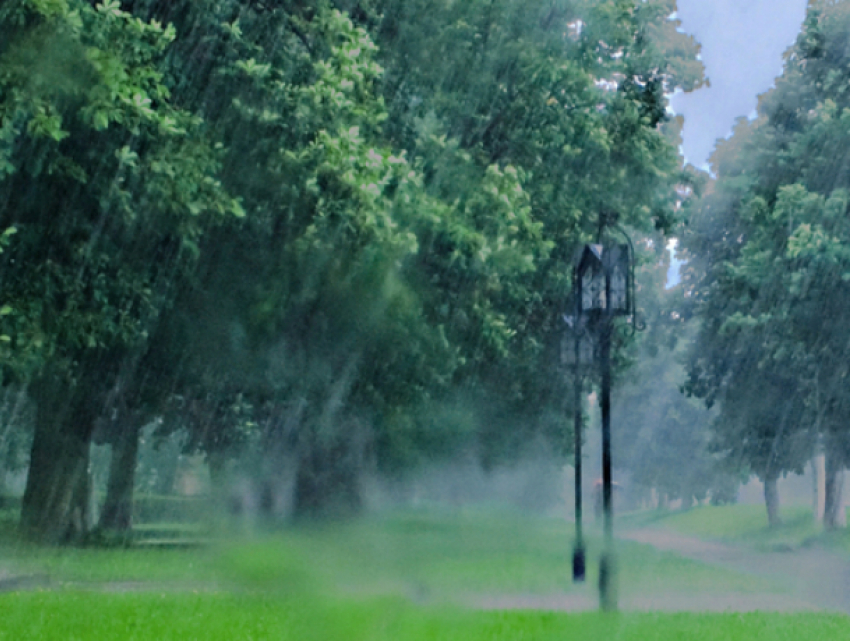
pixel 593 289
pixel 619 290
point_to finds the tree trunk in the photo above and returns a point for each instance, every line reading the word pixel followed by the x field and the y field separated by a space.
pixel 834 481
pixel 328 481
pixel 82 503
pixel 117 515
pixel 771 501
pixel 56 504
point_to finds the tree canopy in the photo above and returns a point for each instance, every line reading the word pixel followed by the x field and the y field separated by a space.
pixel 769 265
pixel 312 226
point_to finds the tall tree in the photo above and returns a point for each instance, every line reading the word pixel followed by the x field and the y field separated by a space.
pixel 108 185
pixel 767 245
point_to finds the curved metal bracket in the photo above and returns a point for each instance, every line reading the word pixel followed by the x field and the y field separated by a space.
pixel 634 324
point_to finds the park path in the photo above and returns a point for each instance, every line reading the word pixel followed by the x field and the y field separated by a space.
pixel 815 577
pixel 13 582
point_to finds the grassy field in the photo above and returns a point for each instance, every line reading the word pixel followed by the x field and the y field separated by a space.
pixel 744 524
pixel 431 555
pixel 405 575
pixel 79 616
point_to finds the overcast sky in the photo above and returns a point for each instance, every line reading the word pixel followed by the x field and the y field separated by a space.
pixel 742 46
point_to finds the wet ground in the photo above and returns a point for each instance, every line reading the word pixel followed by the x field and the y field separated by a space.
pixel 806 579
pixel 815 578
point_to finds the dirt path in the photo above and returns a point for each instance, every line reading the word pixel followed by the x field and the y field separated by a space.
pixel 10 582
pixel 816 578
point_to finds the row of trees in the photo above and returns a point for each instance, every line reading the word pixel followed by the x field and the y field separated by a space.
pixel 769 270
pixel 313 227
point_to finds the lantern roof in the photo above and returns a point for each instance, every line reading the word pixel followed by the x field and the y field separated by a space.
pixel 591 253
pixel 606 255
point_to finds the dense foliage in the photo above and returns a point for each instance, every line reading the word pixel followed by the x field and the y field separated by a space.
pixel 769 269
pixel 319 232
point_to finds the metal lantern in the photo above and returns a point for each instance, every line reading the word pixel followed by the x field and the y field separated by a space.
pixel 603 279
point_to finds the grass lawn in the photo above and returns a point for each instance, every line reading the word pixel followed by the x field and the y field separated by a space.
pixel 450 554
pixel 79 616
pixel 430 555
pixel 744 524
pixel 400 576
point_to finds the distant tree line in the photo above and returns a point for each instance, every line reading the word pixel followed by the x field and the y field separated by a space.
pixel 317 230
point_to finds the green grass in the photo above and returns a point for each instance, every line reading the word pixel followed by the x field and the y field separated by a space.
pixel 112 565
pixel 437 554
pixel 78 616
pixel 434 556
pixel 744 524
pixel 401 576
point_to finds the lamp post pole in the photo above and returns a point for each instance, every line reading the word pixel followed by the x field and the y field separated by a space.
pixel 607 585
pixel 578 551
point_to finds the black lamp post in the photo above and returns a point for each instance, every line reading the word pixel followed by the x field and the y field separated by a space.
pixel 604 289
pixel 579 355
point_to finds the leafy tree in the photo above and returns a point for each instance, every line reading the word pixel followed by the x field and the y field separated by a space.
pixel 475 299
pixel 770 239
pixel 107 184
pixel 408 229
pixel 450 259
pixel 478 83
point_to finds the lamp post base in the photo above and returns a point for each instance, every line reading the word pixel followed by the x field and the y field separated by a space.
pixel 579 567
pixel 608 582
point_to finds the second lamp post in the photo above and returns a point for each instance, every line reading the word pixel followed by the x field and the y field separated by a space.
pixel 603 289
